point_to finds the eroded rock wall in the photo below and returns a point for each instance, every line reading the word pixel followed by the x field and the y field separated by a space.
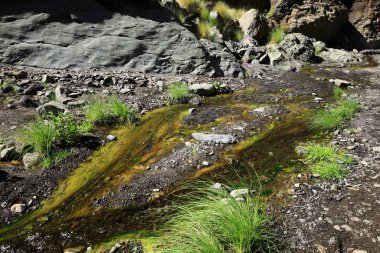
pixel 114 34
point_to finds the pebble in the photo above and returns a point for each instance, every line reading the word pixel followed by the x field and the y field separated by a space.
pixel 111 137
pixel 217 186
pixel 337 227
pixel 376 149
pixel 205 163
pixel 18 208
pixel 238 193
pixel 359 251
pixel 346 228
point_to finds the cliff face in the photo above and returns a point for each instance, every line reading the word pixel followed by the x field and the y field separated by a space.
pixel 122 35
pixel 363 29
pixel 347 23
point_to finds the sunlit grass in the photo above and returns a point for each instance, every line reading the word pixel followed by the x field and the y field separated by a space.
pixel 276 35
pixel 178 91
pixel 213 221
pixel 334 117
pixel 329 170
pixel 319 152
pixel 227 12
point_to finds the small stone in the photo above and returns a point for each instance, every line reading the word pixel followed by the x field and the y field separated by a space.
pixel 346 228
pixel 239 192
pixel 217 186
pixel 205 163
pixel 296 185
pixel 192 111
pixel 337 227
pixel 18 208
pixel 111 137
pixel 376 185
pixel 47 79
pixel 376 149
pixel 29 159
pixel 341 83
pixel 359 251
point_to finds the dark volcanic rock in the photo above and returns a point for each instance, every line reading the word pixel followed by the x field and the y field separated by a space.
pixel 120 35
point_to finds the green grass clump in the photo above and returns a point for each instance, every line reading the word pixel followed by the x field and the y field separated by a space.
pixel 7 86
pixel 50 137
pixel 106 110
pixel 326 160
pixel 191 5
pixel 178 91
pixel 276 36
pixel 319 152
pixel 329 171
pixel 213 221
pixel 338 92
pixel 331 119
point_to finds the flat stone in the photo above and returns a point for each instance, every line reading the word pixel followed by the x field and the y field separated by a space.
pixel 376 149
pixel 111 137
pixel 52 107
pixel 203 89
pixel 215 138
pixel 346 228
pixel 359 251
pixel 8 154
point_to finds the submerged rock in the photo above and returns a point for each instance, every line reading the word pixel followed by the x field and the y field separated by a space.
pixel 215 138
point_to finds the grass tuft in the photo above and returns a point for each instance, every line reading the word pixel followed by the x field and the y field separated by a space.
pixel 213 221
pixel 338 92
pixel 190 5
pixel 329 171
pixel 326 160
pixel 227 12
pixel 204 30
pixel 331 119
pixel 178 91
pixel 104 111
pixel 276 35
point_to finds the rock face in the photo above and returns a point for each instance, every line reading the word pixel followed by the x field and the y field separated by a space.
pixel 363 29
pixel 319 19
pixel 291 52
pixel 112 34
pixel 254 24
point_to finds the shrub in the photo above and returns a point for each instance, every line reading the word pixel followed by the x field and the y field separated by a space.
pixel 103 111
pixel 331 119
pixel 329 171
pixel 276 35
pixel 227 12
pixel 178 91
pixel 7 86
pixel 213 221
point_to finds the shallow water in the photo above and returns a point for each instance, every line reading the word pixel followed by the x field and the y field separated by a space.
pixel 69 217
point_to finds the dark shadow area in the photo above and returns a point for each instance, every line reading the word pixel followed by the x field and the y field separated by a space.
pixel 349 38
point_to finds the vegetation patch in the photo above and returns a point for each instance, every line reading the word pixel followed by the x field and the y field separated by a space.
pixel 276 35
pixel 178 91
pixel 326 160
pixel 108 110
pixel 227 12
pixel 50 137
pixel 334 117
pixel 215 220
pixel 7 86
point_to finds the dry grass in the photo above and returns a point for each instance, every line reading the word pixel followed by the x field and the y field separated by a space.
pixel 227 12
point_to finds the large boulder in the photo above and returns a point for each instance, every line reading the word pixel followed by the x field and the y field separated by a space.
pixel 319 19
pixel 123 35
pixel 292 52
pixel 254 24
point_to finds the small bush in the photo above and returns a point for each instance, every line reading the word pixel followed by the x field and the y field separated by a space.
pixel 331 119
pixel 213 221
pixel 7 86
pixel 276 35
pixel 54 158
pixel 329 171
pixel 227 12
pixel 178 91
pixel 104 111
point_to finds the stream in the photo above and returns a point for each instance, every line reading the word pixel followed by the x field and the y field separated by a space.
pixel 86 209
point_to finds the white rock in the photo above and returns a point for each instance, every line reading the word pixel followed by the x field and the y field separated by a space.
pixel 238 193
pixel 18 208
pixel 216 138
pixel 205 163
pixel 111 137
pixel 217 186
pixel 376 149
pixel 29 159
pixel 346 228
